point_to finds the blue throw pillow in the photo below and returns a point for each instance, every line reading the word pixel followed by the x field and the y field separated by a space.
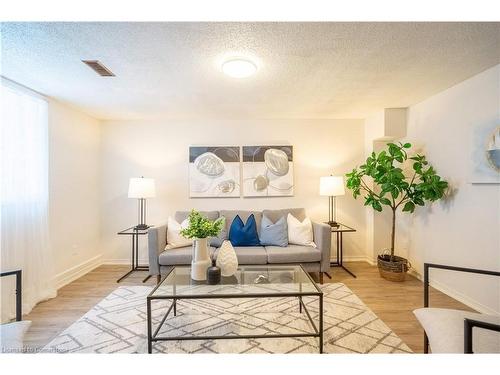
pixel 244 234
pixel 273 234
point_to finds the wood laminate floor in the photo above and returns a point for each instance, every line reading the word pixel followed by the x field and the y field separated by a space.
pixel 392 302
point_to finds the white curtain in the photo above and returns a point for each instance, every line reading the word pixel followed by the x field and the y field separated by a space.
pixel 24 198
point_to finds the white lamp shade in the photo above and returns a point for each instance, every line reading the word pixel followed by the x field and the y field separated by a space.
pixel 331 186
pixel 141 188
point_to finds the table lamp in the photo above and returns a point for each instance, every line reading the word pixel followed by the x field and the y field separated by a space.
pixel 332 187
pixel 141 188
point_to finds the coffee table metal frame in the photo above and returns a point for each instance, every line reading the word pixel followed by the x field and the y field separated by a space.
pixel 318 330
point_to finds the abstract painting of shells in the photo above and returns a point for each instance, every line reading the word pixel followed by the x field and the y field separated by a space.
pixel 485 160
pixel 267 171
pixel 214 171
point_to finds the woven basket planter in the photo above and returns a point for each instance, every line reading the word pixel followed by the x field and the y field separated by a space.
pixel 392 271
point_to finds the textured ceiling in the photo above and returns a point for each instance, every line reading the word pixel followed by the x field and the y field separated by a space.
pixel 306 70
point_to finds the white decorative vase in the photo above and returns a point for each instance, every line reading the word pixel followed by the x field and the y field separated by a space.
pixel 227 260
pixel 201 259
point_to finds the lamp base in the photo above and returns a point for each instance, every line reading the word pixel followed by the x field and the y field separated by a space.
pixel 141 226
pixel 332 224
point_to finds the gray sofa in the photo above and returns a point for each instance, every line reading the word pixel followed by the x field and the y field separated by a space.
pixel 312 259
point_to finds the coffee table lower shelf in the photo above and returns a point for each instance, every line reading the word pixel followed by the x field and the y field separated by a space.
pixel 153 336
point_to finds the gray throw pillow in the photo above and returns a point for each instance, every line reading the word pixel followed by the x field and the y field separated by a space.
pixel 273 234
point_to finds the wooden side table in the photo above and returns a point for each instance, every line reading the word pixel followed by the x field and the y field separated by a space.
pixel 339 231
pixel 134 233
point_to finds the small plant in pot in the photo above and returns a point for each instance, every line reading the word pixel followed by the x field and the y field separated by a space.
pixel 397 189
pixel 200 229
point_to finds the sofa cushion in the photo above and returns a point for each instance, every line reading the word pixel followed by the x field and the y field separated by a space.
pixel 292 254
pixel 244 215
pixel 249 254
pixel 275 215
pixel 244 234
pixel 445 330
pixel 273 233
pixel 179 256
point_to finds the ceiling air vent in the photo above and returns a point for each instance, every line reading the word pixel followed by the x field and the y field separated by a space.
pixel 97 67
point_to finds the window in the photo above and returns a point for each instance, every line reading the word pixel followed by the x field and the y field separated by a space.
pixel 24 152
pixel 24 197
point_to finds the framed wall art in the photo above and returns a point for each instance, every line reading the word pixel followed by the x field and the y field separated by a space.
pixel 214 171
pixel 267 171
pixel 485 158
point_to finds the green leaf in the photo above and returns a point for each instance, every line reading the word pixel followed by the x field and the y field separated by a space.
pixel 377 206
pixel 395 193
pixel 409 207
pixel 443 185
pixel 381 155
pixel 407 145
pixel 385 201
pixel 368 200
pixel 392 149
pixel 419 201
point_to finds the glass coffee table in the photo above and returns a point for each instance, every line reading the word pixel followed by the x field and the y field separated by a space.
pixel 266 281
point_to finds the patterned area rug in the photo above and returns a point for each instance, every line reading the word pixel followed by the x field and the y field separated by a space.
pixel 117 324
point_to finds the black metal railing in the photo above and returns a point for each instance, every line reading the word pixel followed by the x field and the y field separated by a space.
pixel 19 298
pixel 468 323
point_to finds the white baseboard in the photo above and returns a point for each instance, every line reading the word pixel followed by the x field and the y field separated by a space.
pixel 124 261
pixel 460 297
pixel 415 274
pixel 370 261
pixel 357 258
pixel 65 277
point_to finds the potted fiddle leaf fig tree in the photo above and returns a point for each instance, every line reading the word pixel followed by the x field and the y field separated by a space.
pixel 395 188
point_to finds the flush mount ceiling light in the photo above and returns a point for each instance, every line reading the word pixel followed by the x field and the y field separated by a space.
pixel 239 68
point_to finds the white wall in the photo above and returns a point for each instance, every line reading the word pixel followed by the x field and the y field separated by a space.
pixel 374 129
pixel 380 128
pixel 159 149
pixel 465 230
pixel 74 191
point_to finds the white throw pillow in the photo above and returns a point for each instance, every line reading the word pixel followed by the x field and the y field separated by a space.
pixel 12 336
pixel 300 233
pixel 174 238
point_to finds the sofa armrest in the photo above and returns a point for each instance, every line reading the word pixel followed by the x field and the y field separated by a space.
pixel 323 239
pixel 157 239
